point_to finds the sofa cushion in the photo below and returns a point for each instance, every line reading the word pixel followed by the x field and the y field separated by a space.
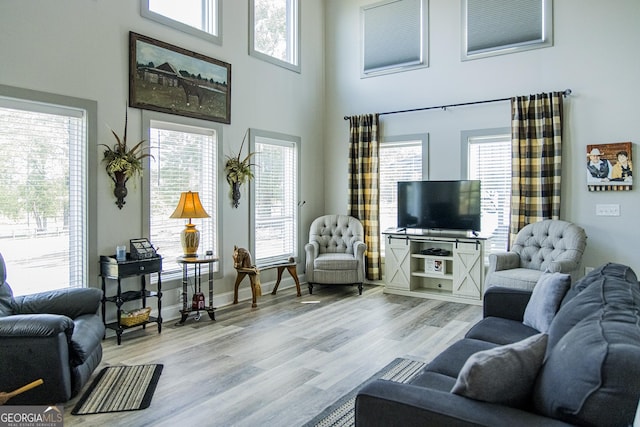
pixel 609 284
pixel 335 261
pixel 610 269
pixel 504 374
pixel 519 278
pixel 451 360
pixel 545 300
pixel 434 380
pixel 595 364
pixel 500 331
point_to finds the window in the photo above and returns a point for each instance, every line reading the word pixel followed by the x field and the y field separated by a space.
pixel 274 210
pixel 394 36
pixel 494 27
pixel 185 155
pixel 274 27
pixel 44 190
pixel 200 18
pixel 402 158
pixel 488 158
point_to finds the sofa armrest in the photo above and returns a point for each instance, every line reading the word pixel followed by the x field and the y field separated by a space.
pixel 35 325
pixel 503 261
pixel 359 248
pixel 311 250
pixel 562 266
pixel 384 403
pixel 71 302
pixel 508 303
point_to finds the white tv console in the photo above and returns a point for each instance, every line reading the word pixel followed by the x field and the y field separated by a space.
pixel 457 277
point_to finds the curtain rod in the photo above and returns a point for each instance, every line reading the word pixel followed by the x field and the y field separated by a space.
pixel 565 92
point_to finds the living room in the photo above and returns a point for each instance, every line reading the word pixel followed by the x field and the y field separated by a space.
pixel 80 49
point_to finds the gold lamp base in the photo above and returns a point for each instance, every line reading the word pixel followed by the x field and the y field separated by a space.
pixel 190 239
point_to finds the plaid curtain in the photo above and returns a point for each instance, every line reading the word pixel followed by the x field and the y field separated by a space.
pixel 536 146
pixel 364 187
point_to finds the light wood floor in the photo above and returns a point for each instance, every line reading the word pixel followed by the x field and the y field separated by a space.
pixel 281 363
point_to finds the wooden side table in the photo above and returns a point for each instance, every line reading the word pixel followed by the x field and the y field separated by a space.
pixel 197 263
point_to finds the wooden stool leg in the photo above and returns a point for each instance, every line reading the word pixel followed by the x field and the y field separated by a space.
pixel 252 279
pixel 239 278
pixel 292 271
pixel 275 288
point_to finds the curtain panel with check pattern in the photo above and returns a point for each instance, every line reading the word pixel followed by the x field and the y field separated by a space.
pixel 536 147
pixel 364 186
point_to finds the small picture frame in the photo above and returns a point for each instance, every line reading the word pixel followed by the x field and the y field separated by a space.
pixel 434 266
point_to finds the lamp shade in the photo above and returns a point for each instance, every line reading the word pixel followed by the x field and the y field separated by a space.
pixel 189 206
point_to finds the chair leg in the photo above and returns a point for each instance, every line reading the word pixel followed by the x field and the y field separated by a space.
pixel 359 288
pixel 310 288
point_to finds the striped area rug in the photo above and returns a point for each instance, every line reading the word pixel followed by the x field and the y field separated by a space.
pixel 342 412
pixel 120 388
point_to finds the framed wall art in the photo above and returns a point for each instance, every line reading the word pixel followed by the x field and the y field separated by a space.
pixel 609 167
pixel 169 79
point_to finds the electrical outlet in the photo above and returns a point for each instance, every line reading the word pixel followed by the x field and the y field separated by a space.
pixel 588 270
pixel 608 210
pixel 179 294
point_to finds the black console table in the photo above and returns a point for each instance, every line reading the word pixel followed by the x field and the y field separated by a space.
pixel 110 268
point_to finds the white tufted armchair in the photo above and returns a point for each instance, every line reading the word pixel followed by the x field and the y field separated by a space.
pixel 549 245
pixel 335 252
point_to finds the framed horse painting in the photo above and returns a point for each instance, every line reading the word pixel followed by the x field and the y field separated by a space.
pixel 169 79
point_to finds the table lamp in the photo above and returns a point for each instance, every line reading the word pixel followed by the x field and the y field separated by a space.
pixel 189 207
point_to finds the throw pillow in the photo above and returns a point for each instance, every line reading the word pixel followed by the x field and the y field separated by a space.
pixel 545 300
pixel 504 374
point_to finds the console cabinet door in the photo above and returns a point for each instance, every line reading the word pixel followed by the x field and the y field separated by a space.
pixel 467 269
pixel 397 264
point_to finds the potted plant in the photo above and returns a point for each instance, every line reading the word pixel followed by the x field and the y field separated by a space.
pixel 238 172
pixel 122 162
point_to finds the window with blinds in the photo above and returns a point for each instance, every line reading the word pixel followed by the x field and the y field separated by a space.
pixel 200 18
pixel 489 160
pixel 274 32
pixel 43 195
pixel 394 36
pixel 275 197
pixel 399 161
pixel 185 160
pixel 493 27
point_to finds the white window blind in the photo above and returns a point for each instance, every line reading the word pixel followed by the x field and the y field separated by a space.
pixel 275 34
pixel 197 17
pixel 505 25
pixel 275 210
pixel 185 160
pixel 399 161
pixel 394 35
pixel 43 195
pixel 490 161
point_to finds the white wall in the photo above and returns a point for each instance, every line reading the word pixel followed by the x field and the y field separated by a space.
pixel 80 48
pixel 594 54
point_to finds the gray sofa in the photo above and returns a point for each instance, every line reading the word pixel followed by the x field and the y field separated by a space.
pixel 53 335
pixel 589 372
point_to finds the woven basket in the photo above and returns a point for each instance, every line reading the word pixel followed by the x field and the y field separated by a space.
pixel 135 317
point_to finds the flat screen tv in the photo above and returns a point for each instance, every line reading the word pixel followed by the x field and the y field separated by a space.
pixel 439 205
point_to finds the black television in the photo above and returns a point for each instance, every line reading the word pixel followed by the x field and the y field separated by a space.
pixel 439 205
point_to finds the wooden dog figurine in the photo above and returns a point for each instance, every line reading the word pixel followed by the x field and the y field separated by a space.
pixel 243 264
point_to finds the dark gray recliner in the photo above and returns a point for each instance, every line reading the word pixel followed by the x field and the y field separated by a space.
pixel 53 335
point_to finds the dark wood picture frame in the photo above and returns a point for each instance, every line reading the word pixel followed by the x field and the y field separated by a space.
pixel 169 79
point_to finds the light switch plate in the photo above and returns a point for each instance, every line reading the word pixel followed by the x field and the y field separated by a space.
pixel 608 210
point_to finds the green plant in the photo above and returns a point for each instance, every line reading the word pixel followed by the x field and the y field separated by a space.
pixel 238 172
pixel 120 158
